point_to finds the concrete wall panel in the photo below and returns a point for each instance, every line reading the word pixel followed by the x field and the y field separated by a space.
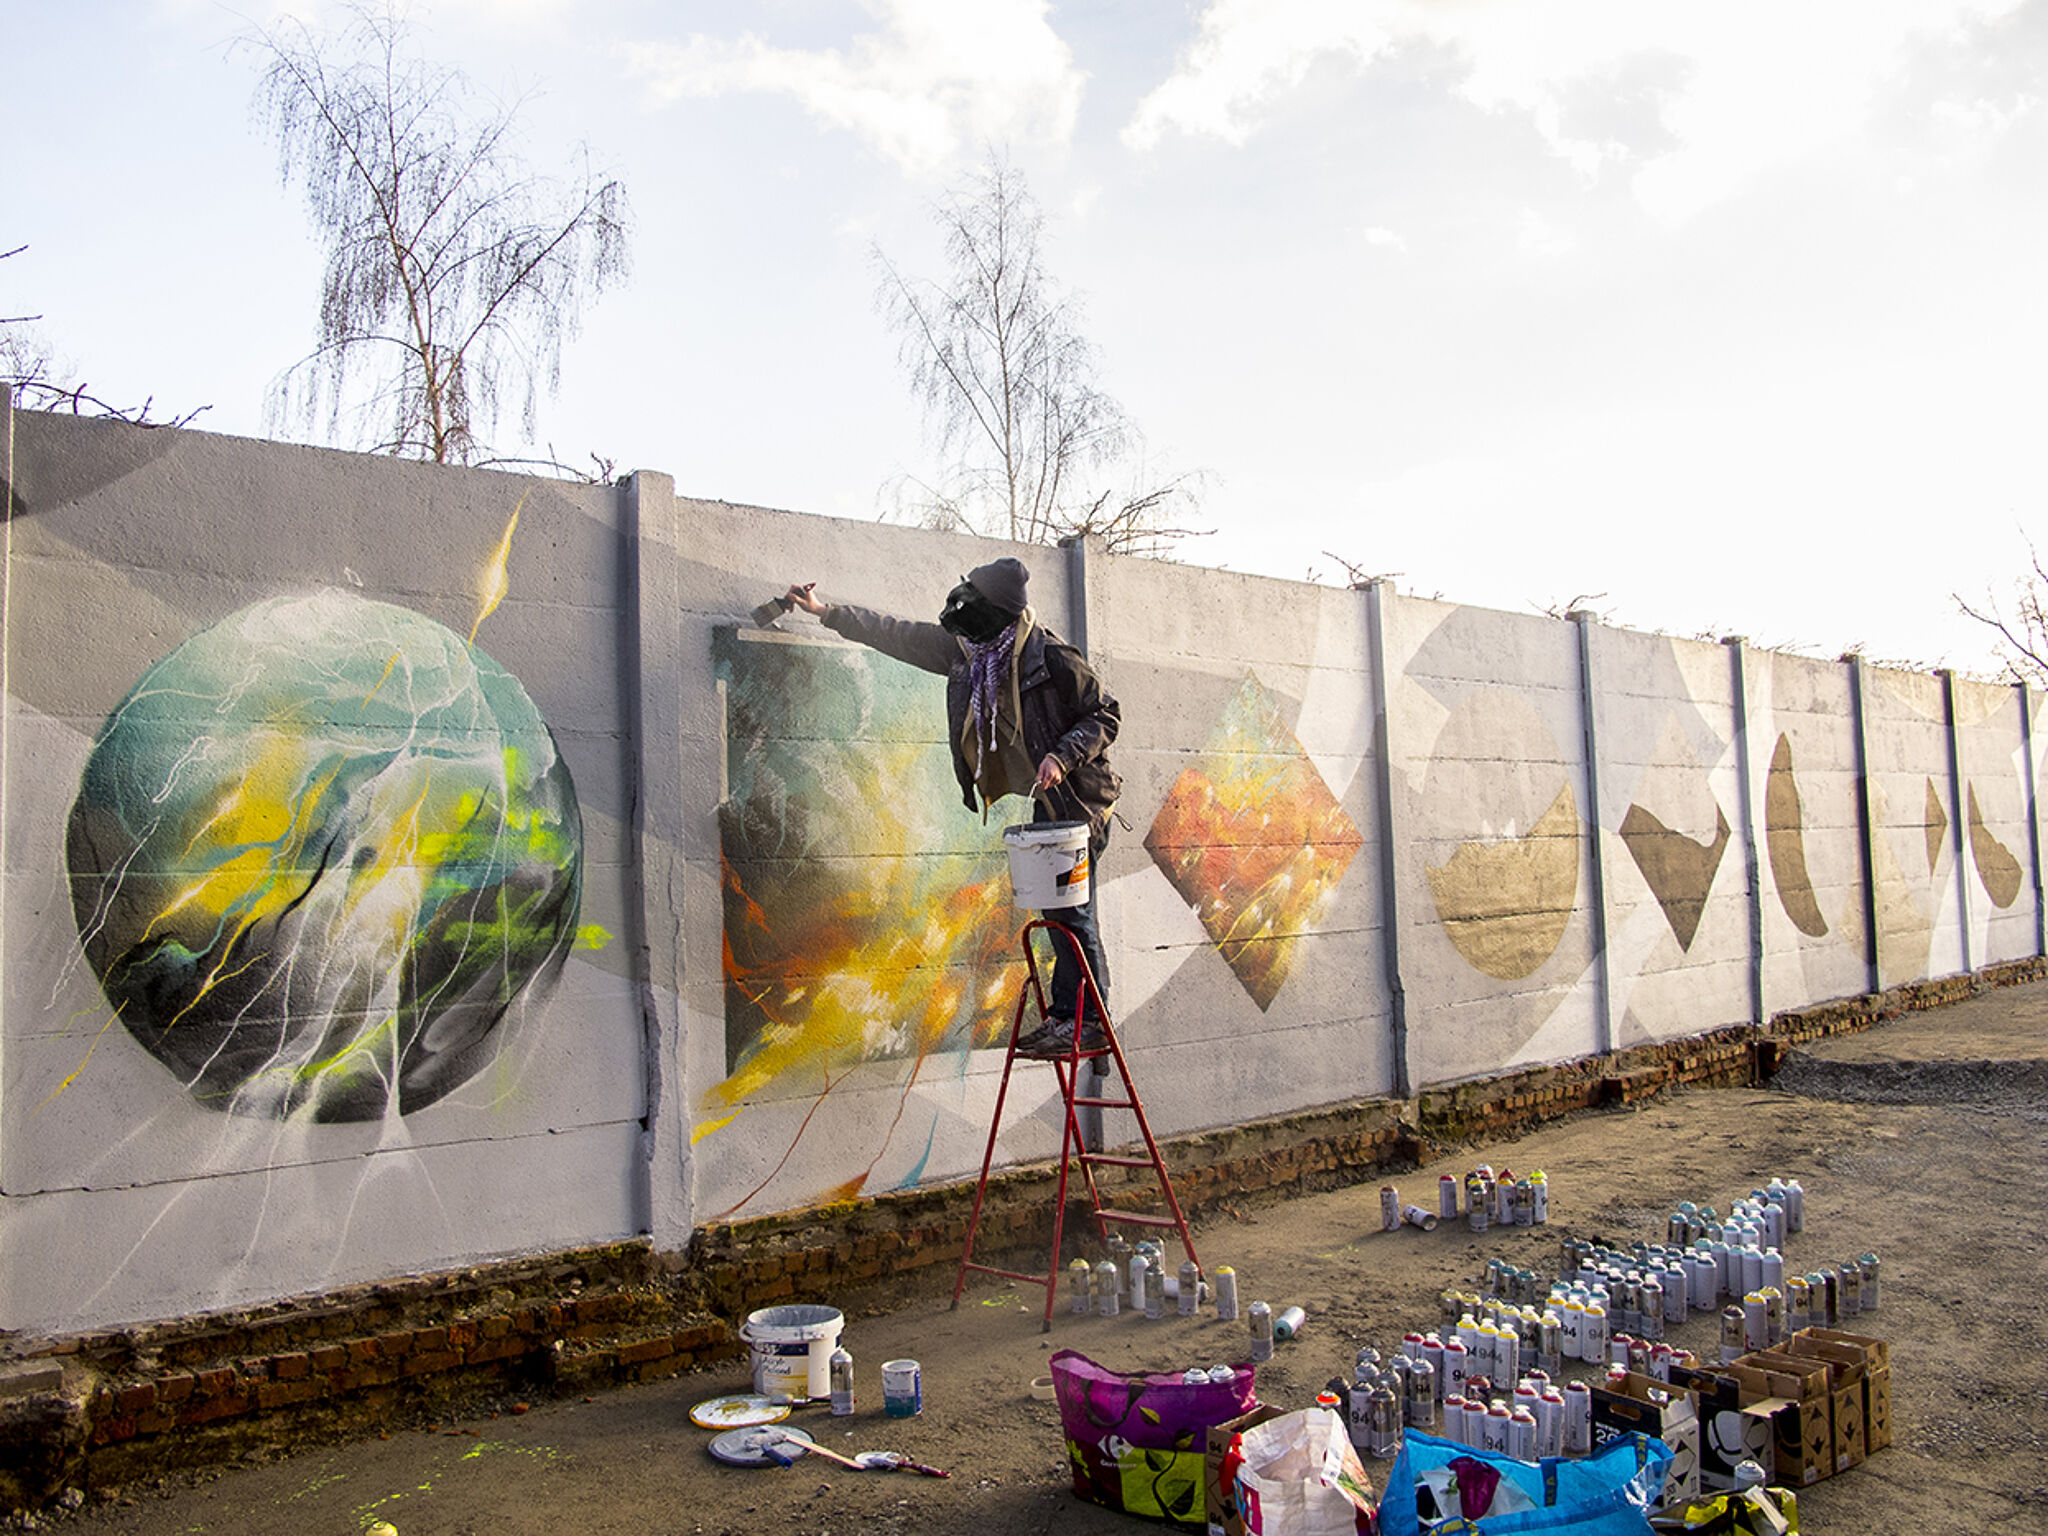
pixel 1919 914
pixel 1996 857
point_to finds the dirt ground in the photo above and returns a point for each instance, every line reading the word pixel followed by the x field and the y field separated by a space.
pixel 1925 1140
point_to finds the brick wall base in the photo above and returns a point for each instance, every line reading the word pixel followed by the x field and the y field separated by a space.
pixel 94 1411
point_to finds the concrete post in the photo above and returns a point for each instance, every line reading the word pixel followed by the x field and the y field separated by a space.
pixel 2033 793
pixel 1958 812
pixel 1745 802
pixel 1393 833
pixel 654 586
pixel 1588 705
pixel 1866 825
pixel 1087 1119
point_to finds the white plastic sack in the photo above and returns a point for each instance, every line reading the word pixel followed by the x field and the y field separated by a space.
pixel 1301 1477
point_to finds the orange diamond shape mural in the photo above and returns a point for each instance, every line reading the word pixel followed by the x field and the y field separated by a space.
pixel 1254 841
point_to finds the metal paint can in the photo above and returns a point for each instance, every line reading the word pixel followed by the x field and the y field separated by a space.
pixel 1367 1361
pixel 1733 1346
pixel 1390 1208
pixel 1578 1418
pixel 1774 1315
pixel 1457 1367
pixel 1798 1304
pixel 1079 1280
pixel 1446 1197
pixel 1550 1344
pixel 1417 1216
pixel 1190 1297
pixel 1260 1317
pixel 1288 1323
pixel 1550 1422
pixel 902 1389
pixel 1226 1294
pixel 1358 1414
pixel 1826 1298
pixel 1107 1281
pixel 1574 1335
pixel 1594 1346
pixel 1498 1428
pixel 1676 1290
pixel 1433 1357
pixel 1476 1202
pixel 1774 1226
pixel 1795 1206
pixel 841 1369
pixel 1522 1435
pixel 1384 1422
pixel 1539 1183
pixel 1851 1290
pixel 1155 1290
pixel 1525 1202
pixel 1650 1308
pixel 1419 1395
pixel 1752 1269
pixel 1756 1328
pixel 1868 1265
pixel 1700 1274
pixel 1773 1269
pixel 1140 1262
pixel 1504 1202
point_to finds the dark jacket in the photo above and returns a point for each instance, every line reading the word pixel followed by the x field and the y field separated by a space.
pixel 1066 711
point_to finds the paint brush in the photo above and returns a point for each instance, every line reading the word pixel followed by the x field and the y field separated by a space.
pixel 766 615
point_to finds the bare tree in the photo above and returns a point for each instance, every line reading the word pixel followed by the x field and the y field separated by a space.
pixel 2023 635
pixel 997 357
pixel 453 272
pixel 29 366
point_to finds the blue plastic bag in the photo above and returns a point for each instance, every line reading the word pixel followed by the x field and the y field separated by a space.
pixel 1606 1494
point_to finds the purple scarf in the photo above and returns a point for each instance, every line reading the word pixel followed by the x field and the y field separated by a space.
pixel 987 665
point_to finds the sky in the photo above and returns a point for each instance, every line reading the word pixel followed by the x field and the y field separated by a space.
pixel 1715 318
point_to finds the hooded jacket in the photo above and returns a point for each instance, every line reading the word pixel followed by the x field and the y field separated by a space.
pixel 1062 708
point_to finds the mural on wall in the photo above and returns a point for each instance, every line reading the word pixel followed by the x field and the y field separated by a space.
pixel 867 912
pixel 1679 871
pixel 1996 866
pixel 1785 842
pixel 1253 840
pixel 319 852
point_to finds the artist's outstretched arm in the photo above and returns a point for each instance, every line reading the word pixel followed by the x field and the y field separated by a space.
pixel 913 641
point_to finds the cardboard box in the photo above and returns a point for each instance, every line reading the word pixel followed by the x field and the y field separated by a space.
pixel 1877 1381
pixel 1731 1431
pixel 1847 1371
pixel 1217 1503
pixel 1623 1406
pixel 1796 1394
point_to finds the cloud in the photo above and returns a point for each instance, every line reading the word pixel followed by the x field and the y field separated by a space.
pixel 932 78
pixel 1692 102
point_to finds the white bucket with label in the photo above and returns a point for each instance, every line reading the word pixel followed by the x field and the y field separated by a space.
pixel 1048 864
pixel 792 1348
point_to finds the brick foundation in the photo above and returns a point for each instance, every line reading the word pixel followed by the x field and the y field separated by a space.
pixel 100 1409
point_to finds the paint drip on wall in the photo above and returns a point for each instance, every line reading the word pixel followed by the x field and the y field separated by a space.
pixel 317 855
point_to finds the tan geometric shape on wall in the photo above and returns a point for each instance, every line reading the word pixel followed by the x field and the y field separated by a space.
pixel 1996 866
pixel 1679 871
pixel 1785 840
pixel 1254 841
pixel 1506 904
pixel 1937 827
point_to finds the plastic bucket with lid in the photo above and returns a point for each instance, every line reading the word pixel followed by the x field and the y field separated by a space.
pixel 1048 864
pixel 792 1348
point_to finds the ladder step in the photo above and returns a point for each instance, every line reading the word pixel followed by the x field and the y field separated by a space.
pixel 1132 1218
pixel 1110 1160
pixel 1081 1103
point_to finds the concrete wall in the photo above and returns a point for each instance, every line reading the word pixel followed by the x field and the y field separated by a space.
pixel 407 866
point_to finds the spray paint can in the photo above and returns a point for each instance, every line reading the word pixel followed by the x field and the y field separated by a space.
pixel 1261 1319
pixel 1420 1395
pixel 840 1367
pixel 1868 1265
pixel 1525 1202
pixel 1504 1203
pixel 1827 1300
pixel 1594 1345
pixel 1550 1343
pixel 1418 1216
pixel 1385 1420
pixel 1079 1281
pixel 1795 1206
pixel 1367 1363
pixel 1650 1308
pixel 1433 1357
pixel 1702 1277
pixel 1507 1351
pixel 1550 1422
pixel 1457 1367
pixel 1390 1208
pixel 1756 1328
pixel 1851 1289
pixel 1732 1335
pixel 1107 1279
pixel 1135 1294
pixel 1574 1336
pixel 1189 1296
pixel 1477 1202
pixel 1774 1226
pixel 1752 1268
pixel 1358 1413
pixel 1798 1304
pixel 1226 1294
pixel 1676 1290
pixel 1288 1324
pixel 1446 1197
pixel 1155 1289
pixel 1539 1183
pixel 1499 1425
pixel 1774 1315
pixel 1578 1418
pixel 1522 1435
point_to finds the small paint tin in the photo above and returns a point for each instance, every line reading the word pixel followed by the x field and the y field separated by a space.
pixel 902 1389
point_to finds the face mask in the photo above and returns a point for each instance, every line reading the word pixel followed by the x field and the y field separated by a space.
pixel 971 616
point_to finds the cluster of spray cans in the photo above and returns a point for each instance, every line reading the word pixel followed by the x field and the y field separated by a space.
pixel 1429 1380
pixel 1489 1199
pixel 1137 1278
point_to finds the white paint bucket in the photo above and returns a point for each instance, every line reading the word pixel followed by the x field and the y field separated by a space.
pixel 793 1349
pixel 1048 864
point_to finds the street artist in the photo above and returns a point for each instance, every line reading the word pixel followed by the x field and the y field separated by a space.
pixel 1026 715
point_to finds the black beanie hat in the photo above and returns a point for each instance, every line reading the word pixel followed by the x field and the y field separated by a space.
pixel 1002 582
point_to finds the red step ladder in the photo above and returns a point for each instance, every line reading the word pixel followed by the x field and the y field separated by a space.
pixel 1073 1147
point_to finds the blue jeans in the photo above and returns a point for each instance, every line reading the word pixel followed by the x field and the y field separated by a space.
pixel 1066 971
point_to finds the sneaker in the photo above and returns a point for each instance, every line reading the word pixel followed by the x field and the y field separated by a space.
pixel 1055 1037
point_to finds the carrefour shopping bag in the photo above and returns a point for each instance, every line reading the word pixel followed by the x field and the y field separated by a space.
pixel 1299 1476
pixel 1609 1493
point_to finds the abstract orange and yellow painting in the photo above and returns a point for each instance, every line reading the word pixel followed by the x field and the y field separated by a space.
pixel 1253 839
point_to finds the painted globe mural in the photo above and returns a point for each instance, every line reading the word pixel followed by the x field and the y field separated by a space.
pixel 319 853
